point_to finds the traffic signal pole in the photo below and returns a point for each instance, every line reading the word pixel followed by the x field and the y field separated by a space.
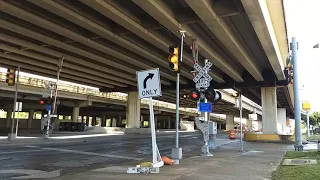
pixel 241 126
pixel 177 152
pixel 12 136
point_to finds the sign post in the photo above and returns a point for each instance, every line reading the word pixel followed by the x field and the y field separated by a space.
pixel 18 109
pixel 149 86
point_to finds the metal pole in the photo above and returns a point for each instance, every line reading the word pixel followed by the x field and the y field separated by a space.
pixel 178 92
pixel 17 124
pixel 15 102
pixel 241 132
pixel 297 114
pixel 56 88
pixel 308 125
pixel 153 133
pixel 177 110
pixel 49 118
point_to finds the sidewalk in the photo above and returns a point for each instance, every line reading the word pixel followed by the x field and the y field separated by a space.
pixel 257 162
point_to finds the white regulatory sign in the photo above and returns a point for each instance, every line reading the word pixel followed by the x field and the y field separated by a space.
pixel 149 83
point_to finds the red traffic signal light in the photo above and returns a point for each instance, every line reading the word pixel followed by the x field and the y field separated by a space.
pixel 46 101
pixel 41 101
pixel 195 94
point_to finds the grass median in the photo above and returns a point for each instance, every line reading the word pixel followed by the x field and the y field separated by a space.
pixel 305 172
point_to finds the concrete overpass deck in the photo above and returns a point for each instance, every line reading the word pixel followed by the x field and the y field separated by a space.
pixel 110 40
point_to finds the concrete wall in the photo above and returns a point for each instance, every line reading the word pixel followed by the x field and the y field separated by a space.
pixel 187 125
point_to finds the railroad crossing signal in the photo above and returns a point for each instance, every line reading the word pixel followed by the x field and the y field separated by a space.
pixel 174 58
pixel 202 78
pixel 11 77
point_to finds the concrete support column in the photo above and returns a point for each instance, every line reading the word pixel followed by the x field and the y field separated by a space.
pixel 75 114
pixel 119 121
pixel 87 120
pixel 229 122
pixel 155 122
pixel 269 110
pixel 142 122
pixel 82 119
pixel 104 121
pixel 133 110
pixel 94 121
pixel 114 122
pixel 169 122
pixel 8 120
pixel 31 113
pixel 281 119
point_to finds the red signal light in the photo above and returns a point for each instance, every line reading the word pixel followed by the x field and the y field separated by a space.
pixel 194 95
pixel 41 101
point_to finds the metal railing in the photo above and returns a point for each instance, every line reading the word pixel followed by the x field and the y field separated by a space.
pixel 40 83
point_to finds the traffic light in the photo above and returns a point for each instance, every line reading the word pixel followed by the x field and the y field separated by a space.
pixel 236 95
pixel 11 77
pixel 212 95
pixel 174 58
pixel 195 94
pixel 290 79
pixel 46 101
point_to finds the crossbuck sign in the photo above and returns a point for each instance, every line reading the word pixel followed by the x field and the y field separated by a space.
pixel 202 78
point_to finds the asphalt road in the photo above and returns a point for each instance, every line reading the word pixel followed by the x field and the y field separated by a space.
pixel 91 153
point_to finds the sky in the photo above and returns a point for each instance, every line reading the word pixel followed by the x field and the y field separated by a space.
pixel 302 17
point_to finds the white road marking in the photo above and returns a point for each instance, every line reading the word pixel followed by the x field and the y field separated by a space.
pixel 23 151
pixel 88 153
pixel 84 136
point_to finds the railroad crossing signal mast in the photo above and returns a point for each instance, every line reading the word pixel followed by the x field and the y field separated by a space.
pixel 203 93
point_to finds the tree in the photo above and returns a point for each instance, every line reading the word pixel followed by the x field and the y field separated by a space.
pixel 315 118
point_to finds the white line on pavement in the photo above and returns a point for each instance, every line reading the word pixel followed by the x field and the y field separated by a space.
pixel 24 151
pixel 88 153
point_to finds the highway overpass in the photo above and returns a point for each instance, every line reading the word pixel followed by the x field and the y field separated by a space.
pixel 104 43
pixel 98 104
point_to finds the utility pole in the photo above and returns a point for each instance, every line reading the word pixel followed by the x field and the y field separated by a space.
pixel 297 114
